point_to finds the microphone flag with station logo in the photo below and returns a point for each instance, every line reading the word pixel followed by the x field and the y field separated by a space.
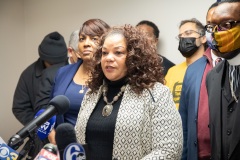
pixel 48 152
pixel 6 152
pixel 44 130
pixel 68 147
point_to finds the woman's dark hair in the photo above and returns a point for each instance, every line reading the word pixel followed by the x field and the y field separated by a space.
pixel 94 27
pixel 144 65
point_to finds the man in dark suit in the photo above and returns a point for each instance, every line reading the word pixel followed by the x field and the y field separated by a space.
pixel 223 82
pixel 153 32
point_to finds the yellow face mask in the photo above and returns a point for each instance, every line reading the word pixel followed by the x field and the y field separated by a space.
pixel 229 40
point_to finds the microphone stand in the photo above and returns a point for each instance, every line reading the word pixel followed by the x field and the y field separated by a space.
pixel 29 146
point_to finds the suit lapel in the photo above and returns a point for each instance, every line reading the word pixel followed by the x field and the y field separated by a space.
pixel 70 75
pixel 226 88
pixel 214 87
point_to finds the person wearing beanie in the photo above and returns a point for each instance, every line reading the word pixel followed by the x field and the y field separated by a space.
pixel 52 52
pixel 53 48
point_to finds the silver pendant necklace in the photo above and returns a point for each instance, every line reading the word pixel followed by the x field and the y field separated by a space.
pixel 107 109
pixel 82 90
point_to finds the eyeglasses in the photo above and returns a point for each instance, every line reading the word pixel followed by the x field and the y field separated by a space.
pixel 187 33
pixel 224 26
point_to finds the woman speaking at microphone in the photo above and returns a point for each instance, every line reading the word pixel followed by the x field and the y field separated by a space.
pixel 128 113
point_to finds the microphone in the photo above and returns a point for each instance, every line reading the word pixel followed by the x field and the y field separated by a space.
pixel 48 152
pixel 58 105
pixel 6 152
pixel 65 134
pixel 44 130
pixel 67 143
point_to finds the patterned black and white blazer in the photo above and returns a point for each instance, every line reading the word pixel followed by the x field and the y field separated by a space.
pixel 147 126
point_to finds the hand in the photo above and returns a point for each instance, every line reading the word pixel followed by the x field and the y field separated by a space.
pixel 51 137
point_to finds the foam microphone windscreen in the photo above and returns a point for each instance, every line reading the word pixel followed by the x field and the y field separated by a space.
pixel 65 134
pixel 61 104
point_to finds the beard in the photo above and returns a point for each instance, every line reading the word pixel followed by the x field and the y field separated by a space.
pixel 228 55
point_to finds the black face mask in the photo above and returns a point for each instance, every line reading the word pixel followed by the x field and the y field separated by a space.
pixel 187 46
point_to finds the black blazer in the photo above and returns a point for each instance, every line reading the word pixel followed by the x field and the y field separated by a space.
pixel 214 89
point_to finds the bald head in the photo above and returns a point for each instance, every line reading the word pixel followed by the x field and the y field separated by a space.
pixel 226 12
pixel 223 13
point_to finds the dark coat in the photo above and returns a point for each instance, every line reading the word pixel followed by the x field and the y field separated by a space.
pixel 214 88
pixel 25 96
pixel 26 91
pixel 45 87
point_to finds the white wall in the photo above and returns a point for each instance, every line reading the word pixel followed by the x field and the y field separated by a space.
pixel 42 17
pixel 12 61
pixel 24 23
